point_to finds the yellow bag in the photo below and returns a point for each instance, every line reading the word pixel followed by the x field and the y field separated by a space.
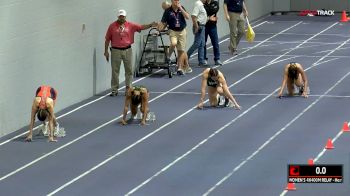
pixel 250 34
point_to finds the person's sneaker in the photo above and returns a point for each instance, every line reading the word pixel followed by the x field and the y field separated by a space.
pixel 168 60
pixel 230 104
pixel 301 90
pixel 204 63
pixel 113 94
pixel 56 129
pixel 218 62
pixel 180 72
pixel 218 97
pixel 222 101
pixel 45 129
pixel 233 51
pixel 188 70
pixel 227 101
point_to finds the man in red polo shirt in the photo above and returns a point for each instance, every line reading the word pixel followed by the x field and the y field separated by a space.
pixel 121 35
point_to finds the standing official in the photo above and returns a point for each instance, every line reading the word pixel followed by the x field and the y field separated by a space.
pixel 233 12
pixel 174 17
pixel 120 35
pixel 212 8
pixel 199 19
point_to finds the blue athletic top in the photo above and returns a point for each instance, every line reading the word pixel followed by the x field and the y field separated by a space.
pixel 234 5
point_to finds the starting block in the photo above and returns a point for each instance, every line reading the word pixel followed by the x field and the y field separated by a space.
pixel 150 116
pixel 58 131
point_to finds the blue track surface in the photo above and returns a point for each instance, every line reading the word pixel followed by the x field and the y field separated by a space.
pixel 215 151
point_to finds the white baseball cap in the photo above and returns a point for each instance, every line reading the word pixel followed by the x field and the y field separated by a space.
pixel 121 13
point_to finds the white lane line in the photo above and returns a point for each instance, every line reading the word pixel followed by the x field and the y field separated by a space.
pixel 346 48
pixel 217 131
pixel 91 131
pixel 224 40
pixel 324 51
pixel 67 113
pixel 272 138
pixel 284 192
pixel 296 42
pixel 86 134
pixel 197 146
pixel 304 56
pixel 248 94
pixel 329 60
pixel 307 34
pixel 313 46
pixel 305 41
pixel 323 151
pixel 331 52
pixel 229 60
pixel 124 150
pixel 130 146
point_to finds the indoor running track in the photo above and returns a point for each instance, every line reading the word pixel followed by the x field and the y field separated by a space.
pixel 214 151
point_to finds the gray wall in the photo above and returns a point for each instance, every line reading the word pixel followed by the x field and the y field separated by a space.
pixel 337 5
pixel 45 42
pixel 281 5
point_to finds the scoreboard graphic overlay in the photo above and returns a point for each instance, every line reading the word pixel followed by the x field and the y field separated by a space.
pixel 315 173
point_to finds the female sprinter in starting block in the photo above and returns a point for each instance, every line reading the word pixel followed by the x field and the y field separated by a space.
pixel 215 80
pixel 294 76
pixel 43 106
pixel 135 96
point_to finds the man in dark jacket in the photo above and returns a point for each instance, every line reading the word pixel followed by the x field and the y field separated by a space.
pixel 212 8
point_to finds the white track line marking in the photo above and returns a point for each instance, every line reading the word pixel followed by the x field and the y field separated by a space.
pixel 86 134
pixel 307 34
pixel 272 138
pixel 229 60
pixel 119 153
pixel 323 151
pixel 296 42
pixel 226 125
pixel 91 131
pixel 304 56
pixel 314 46
pixel 248 94
pixel 224 40
pixel 327 61
pixel 130 146
pixel 284 192
pixel 67 113
pixel 346 48
pixel 20 135
pixel 324 51
pixel 197 146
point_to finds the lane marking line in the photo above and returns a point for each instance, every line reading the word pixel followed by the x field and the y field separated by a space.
pixel 115 155
pixel 226 125
pixel 90 102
